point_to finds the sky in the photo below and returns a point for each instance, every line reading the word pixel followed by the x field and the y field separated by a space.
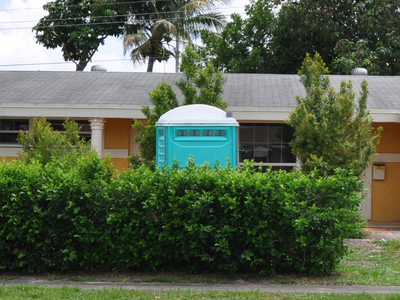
pixel 19 51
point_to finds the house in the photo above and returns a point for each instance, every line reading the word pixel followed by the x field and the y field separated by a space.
pixel 106 103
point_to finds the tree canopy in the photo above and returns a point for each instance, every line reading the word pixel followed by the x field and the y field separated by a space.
pixel 148 35
pixel 276 35
pixel 78 27
pixel 332 129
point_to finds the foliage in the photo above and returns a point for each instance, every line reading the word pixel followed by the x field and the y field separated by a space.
pixel 276 35
pixel 164 99
pixel 78 28
pixel 44 144
pixel 331 129
pixel 151 32
pixel 76 216
pixel 199 86
pixel 242 47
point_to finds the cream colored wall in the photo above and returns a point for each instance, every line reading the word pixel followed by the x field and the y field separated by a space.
pixel 385 194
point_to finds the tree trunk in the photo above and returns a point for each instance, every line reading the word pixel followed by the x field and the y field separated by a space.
pixel 152 59
pixel 81 65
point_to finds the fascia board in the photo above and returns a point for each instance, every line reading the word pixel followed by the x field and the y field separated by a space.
pixel 72 111
pixel 260 113
pixel 385 116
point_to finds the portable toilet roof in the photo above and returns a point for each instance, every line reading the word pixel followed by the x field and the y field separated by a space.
pixel 197 115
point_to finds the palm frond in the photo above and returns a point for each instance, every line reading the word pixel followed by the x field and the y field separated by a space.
pixel 133 40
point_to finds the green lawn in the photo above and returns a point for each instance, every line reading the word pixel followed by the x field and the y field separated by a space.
pixel 43 293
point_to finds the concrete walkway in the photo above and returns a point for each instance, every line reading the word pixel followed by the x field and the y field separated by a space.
pixel 160 287
pixel 384 230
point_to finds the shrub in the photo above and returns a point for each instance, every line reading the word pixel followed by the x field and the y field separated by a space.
pixel 204 218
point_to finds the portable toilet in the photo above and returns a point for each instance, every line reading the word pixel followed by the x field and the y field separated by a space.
pixel 204 132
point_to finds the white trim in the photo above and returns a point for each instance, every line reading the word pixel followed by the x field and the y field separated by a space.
pixel 9 151
pixel 260 113
pixel 366 205
pixel 385 115
pixel 387 157
pixel 72 111
pixel 116 153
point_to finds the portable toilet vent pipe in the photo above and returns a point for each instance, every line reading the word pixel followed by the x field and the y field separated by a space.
pixel 204 132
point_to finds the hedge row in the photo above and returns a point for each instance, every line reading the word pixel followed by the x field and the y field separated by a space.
pixel 71 216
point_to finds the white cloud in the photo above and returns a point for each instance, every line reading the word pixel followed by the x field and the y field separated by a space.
pixel 19 50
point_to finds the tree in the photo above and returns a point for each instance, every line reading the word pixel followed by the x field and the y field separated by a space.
pixel 277 35
pixel 78 27
pixel 331 129
pixel 199 86
pixel 243 46
pixel 44 144
pixel 164 99
pixel 151 32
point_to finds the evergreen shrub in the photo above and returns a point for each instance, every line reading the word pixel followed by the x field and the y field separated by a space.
pixel 201 218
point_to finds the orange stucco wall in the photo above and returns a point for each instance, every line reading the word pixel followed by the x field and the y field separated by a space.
pixel 120 163
pixel 8 159
pixel 385 194
pixel 390 138
pixel 117 133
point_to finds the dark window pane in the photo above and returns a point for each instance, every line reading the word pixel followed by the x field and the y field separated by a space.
pixel 8 138
pixel 246 151
pixel 261 152
pixel 246 133
pixel 261 133
pixel 287 155
pixel 275 133
pixel 220 132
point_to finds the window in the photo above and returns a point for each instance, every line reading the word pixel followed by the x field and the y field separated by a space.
pixel 220 132
pixel 267 143
pixel 208 132
pixel 10 128
pixel 84 133
pixel 181 132
pixel 194 132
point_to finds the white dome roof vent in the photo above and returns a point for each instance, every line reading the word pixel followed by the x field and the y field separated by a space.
pixel 359 71
pixel 98 68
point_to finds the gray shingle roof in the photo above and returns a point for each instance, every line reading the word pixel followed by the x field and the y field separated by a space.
pixel 124 89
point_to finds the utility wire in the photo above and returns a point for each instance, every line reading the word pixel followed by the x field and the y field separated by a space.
pixel 78 5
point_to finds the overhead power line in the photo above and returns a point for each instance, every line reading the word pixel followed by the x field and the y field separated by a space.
pixel 83 24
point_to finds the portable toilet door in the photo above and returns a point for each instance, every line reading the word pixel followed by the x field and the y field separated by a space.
pixel 202 131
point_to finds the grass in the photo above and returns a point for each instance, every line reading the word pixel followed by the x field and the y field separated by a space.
pixel 44 293
pixel 377 265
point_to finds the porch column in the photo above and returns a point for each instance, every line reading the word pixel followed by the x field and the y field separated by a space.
pixel 97 125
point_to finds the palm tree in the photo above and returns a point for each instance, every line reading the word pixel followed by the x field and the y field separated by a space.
pixel 181 19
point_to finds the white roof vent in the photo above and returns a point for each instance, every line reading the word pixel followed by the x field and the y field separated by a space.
pixel 359 71
pixel 98 68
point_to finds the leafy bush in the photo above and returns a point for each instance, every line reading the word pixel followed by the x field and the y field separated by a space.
pixel 69 217
pixel 43 143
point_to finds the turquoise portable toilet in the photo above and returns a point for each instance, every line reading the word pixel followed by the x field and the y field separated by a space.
pixel 205 132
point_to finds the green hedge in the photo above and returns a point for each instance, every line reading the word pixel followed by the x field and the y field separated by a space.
pixel 76 215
